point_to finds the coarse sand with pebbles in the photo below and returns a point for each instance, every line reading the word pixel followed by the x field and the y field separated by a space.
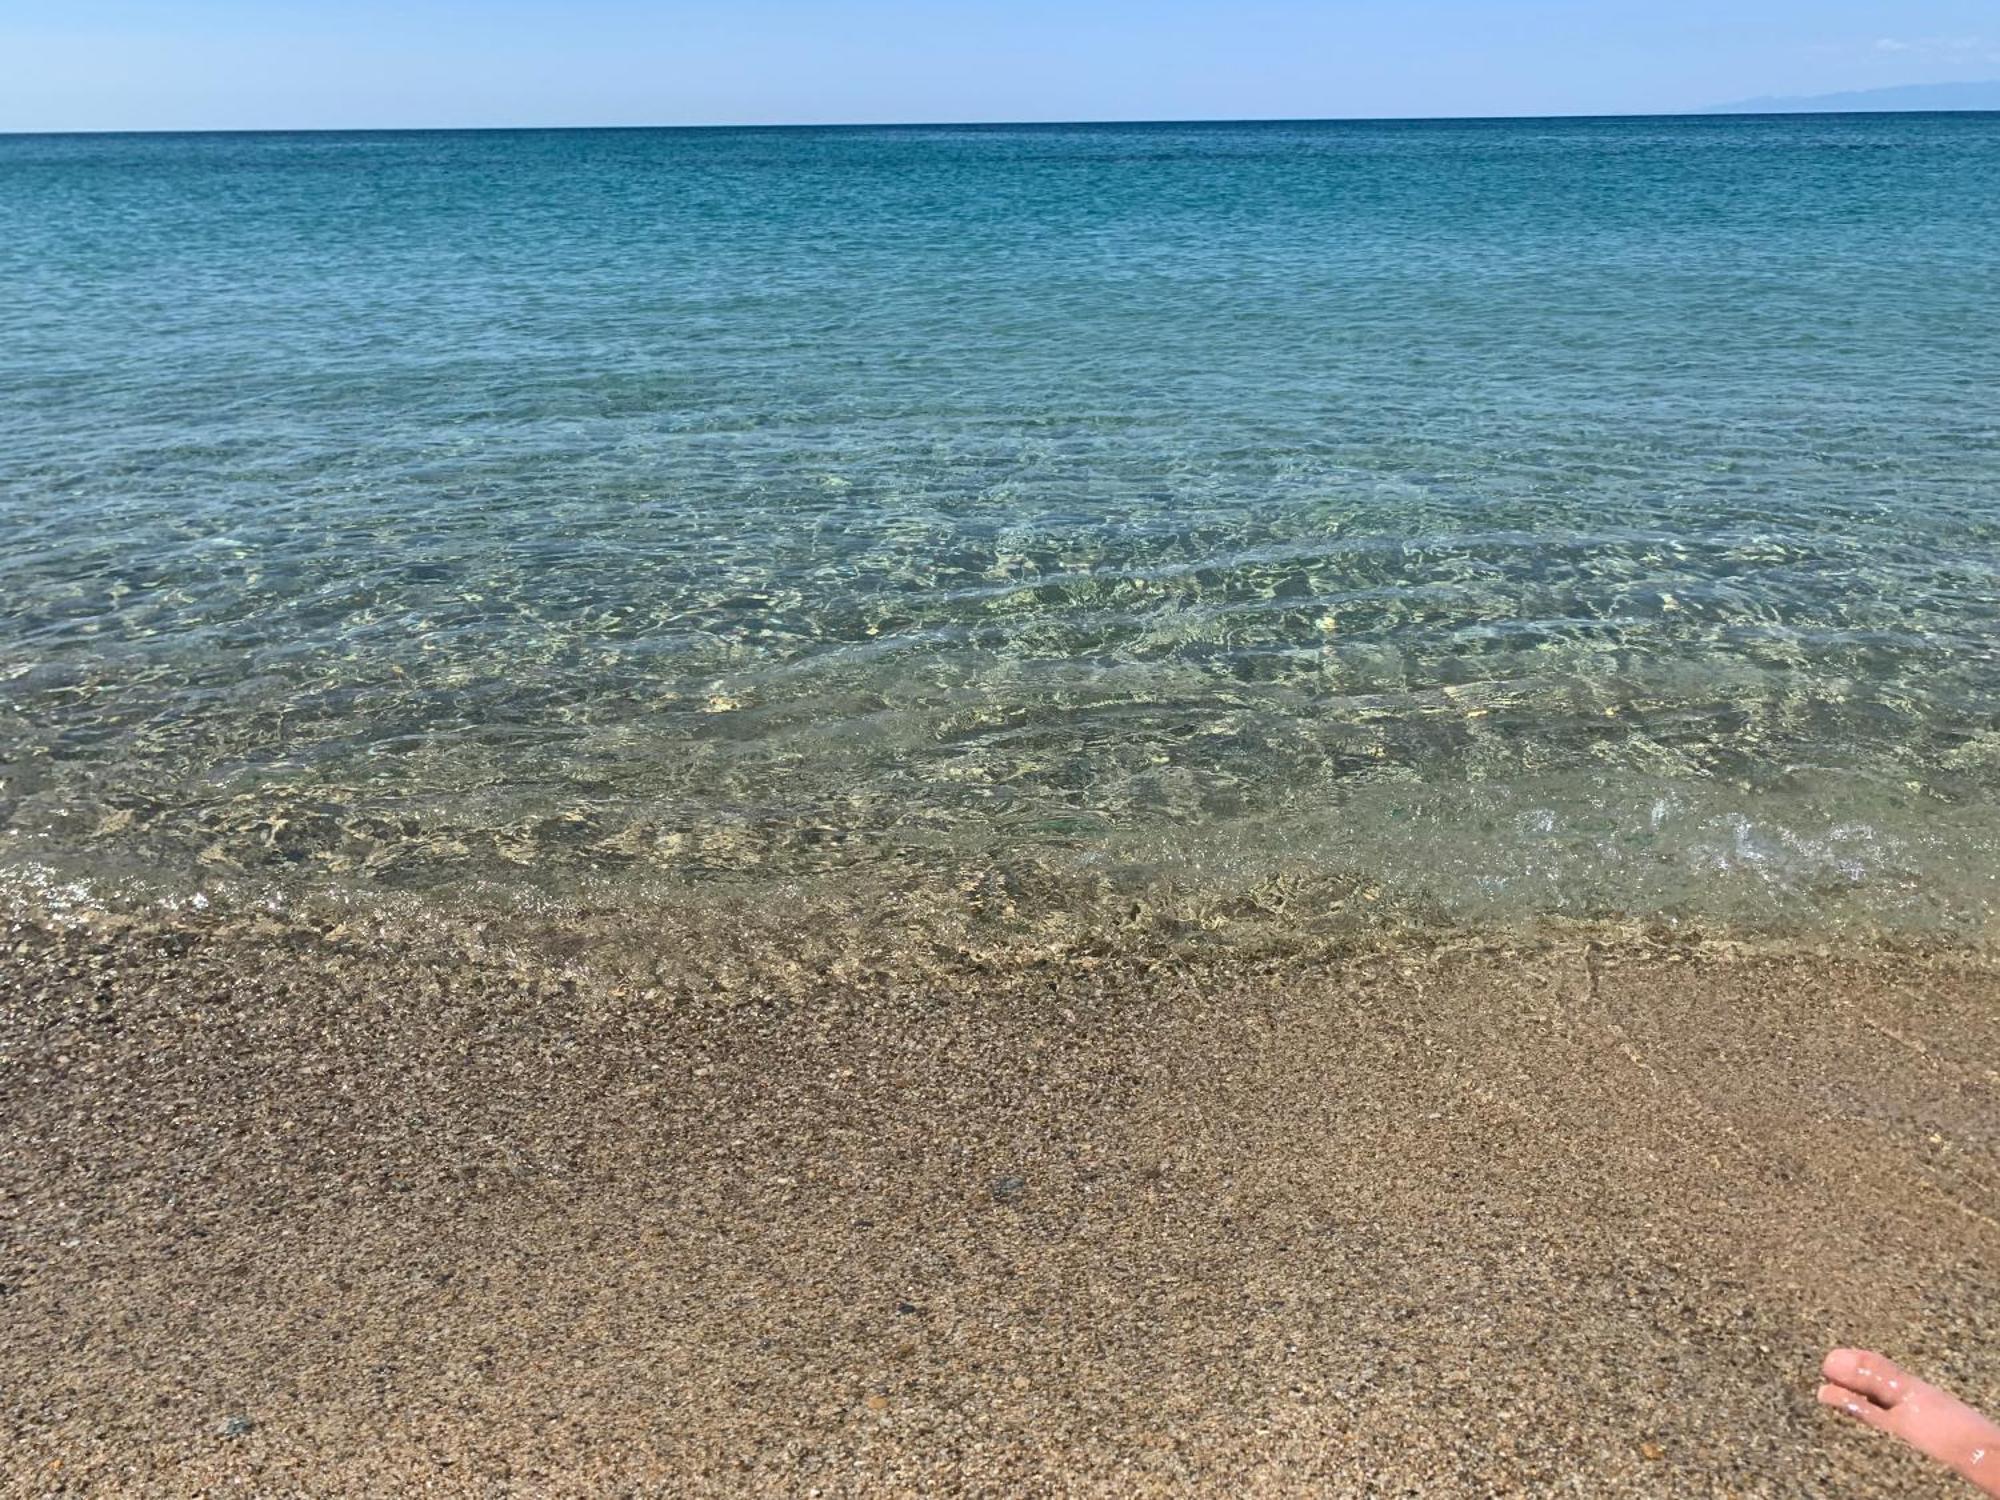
pixel 293 1206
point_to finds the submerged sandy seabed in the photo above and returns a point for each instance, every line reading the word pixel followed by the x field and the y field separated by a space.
pixel 326 1205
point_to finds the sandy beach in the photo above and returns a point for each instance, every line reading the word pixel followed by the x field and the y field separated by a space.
pixel 1169 805
pixel 297 1206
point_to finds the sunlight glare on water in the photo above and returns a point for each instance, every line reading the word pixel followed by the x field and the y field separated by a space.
pixel 1538 517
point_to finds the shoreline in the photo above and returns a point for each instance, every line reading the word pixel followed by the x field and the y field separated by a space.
pixel 314 1207
pixel 1109 811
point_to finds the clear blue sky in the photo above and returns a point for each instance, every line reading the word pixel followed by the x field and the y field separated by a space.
pixel 190 64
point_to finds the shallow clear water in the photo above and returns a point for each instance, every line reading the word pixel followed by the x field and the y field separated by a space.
pixel 1583 517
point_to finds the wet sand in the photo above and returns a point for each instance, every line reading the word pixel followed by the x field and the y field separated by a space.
pixel 298 1208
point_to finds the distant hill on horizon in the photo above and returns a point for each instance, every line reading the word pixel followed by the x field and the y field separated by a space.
pixel 1910 96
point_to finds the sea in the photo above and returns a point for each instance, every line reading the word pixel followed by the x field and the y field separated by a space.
pixel 1460 522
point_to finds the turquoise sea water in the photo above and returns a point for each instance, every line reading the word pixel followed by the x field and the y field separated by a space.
pixel 1586 517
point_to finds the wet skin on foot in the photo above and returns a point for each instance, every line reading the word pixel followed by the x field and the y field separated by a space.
pixel 1876 1391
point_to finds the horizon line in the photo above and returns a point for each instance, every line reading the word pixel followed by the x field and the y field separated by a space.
pixel 1707 113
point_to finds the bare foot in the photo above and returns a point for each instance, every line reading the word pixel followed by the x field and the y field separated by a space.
pixel 1873 1390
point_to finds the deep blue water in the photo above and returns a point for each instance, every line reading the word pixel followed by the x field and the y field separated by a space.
pixel 1583 517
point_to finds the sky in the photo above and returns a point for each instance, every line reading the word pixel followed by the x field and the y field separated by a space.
pixel 299 64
